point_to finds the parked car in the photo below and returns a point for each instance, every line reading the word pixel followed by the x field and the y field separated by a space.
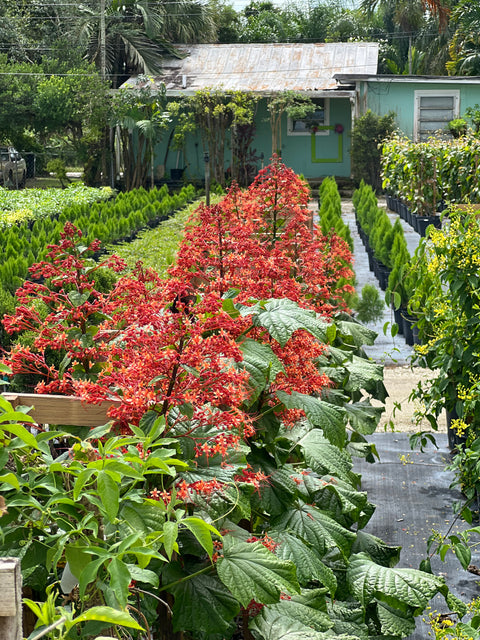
pixel 13 168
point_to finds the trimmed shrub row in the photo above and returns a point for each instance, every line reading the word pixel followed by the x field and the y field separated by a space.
pixel 330 211
pixel 110 222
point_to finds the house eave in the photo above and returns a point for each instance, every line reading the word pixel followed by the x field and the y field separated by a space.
pixel 349 79
pixel 327 93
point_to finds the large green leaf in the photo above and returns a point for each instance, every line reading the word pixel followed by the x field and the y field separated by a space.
pixel 202 532
pixel 377 550
pixel 318 529
pixel 274 626
pixel 348 618
pixel 262 365
pixel 145 518
pixel 369 581
pixel 108 491
pixel 363 417
pixel 203 603
pixel 365 375
pixel 341 500
pixel 18 430
pixel 120 578
pixel 109 615
pixel 277 493
pixel 330 418
pixel 252 572
pixel 297 610
pixel 282 317
pixel 320 455
pixel 359 334
pixel 308 564
pixel 395 622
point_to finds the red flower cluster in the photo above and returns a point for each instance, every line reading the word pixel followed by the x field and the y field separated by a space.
pixel 168 345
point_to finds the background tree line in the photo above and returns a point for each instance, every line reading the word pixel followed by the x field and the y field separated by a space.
pixel 51 62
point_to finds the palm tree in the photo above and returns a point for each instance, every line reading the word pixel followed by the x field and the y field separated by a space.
pixel 464 47
pixel 436 8
pixel 409 16
pixel 138 33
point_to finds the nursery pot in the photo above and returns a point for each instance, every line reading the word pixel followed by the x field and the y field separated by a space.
pixel 371 264
pixel 422 223
pixel 416 334
pixel 397 314
pixel 176 174
pixel 408 321
pixel 383 275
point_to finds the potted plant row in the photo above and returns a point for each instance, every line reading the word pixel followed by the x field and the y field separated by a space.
pixel 377 233
pixel 422 178
pixel 116 220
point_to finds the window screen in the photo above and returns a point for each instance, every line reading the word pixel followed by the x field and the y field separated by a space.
pixel 434 113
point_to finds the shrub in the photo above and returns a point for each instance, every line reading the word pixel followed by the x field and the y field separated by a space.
pixel 370 306
pixel 368 133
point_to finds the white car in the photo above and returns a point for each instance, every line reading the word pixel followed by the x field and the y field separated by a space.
pixel 13 168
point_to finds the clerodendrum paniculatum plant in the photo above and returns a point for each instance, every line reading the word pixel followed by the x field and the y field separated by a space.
pixel 221 500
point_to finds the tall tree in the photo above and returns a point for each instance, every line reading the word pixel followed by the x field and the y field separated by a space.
pixel 138 33
pixel 409 16
pixel 464 47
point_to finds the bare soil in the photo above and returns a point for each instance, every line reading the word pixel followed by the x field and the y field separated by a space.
pixel 399 381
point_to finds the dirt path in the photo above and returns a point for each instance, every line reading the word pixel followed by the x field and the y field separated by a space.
pixel 399 381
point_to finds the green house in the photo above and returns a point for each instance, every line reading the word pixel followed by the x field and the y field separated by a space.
pixel 423 105
pixel 316 148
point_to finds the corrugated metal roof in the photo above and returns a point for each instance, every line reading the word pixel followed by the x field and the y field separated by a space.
pixel 267 68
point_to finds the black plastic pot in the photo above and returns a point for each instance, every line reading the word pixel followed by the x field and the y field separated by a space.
pixel 416 335
pixel 371 264
pixel 397 314
pixel 422 223
pixel 408 321
pixel 176 174
pixel 383 275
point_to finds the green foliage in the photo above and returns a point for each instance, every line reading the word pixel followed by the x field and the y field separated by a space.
pixel 330 211
pixel 157 247
pixel 94 211
pixel 296 105
pixel 422 174
pixel 446 303
pixel 370 306
pixel 457 127
pixel 58 168
pixel 139 113
pixel 92 508
pixel 212 112
pixel 368 133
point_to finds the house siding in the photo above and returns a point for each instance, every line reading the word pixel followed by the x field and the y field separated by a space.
pixel 384 96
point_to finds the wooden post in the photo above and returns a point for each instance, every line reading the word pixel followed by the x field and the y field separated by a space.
pixel 10 599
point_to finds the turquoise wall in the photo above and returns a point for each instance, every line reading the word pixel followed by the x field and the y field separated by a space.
pixel 326 155
pixel 399 97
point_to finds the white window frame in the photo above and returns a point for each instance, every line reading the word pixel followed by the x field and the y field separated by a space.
pixel 320 132
pixel 454 93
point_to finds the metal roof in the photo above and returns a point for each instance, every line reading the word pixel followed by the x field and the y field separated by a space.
pixel 266 68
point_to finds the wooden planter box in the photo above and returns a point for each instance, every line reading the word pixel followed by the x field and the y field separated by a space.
pixel 10 599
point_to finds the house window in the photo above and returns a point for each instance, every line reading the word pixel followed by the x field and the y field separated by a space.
pixel 313 121
pixel 433 111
